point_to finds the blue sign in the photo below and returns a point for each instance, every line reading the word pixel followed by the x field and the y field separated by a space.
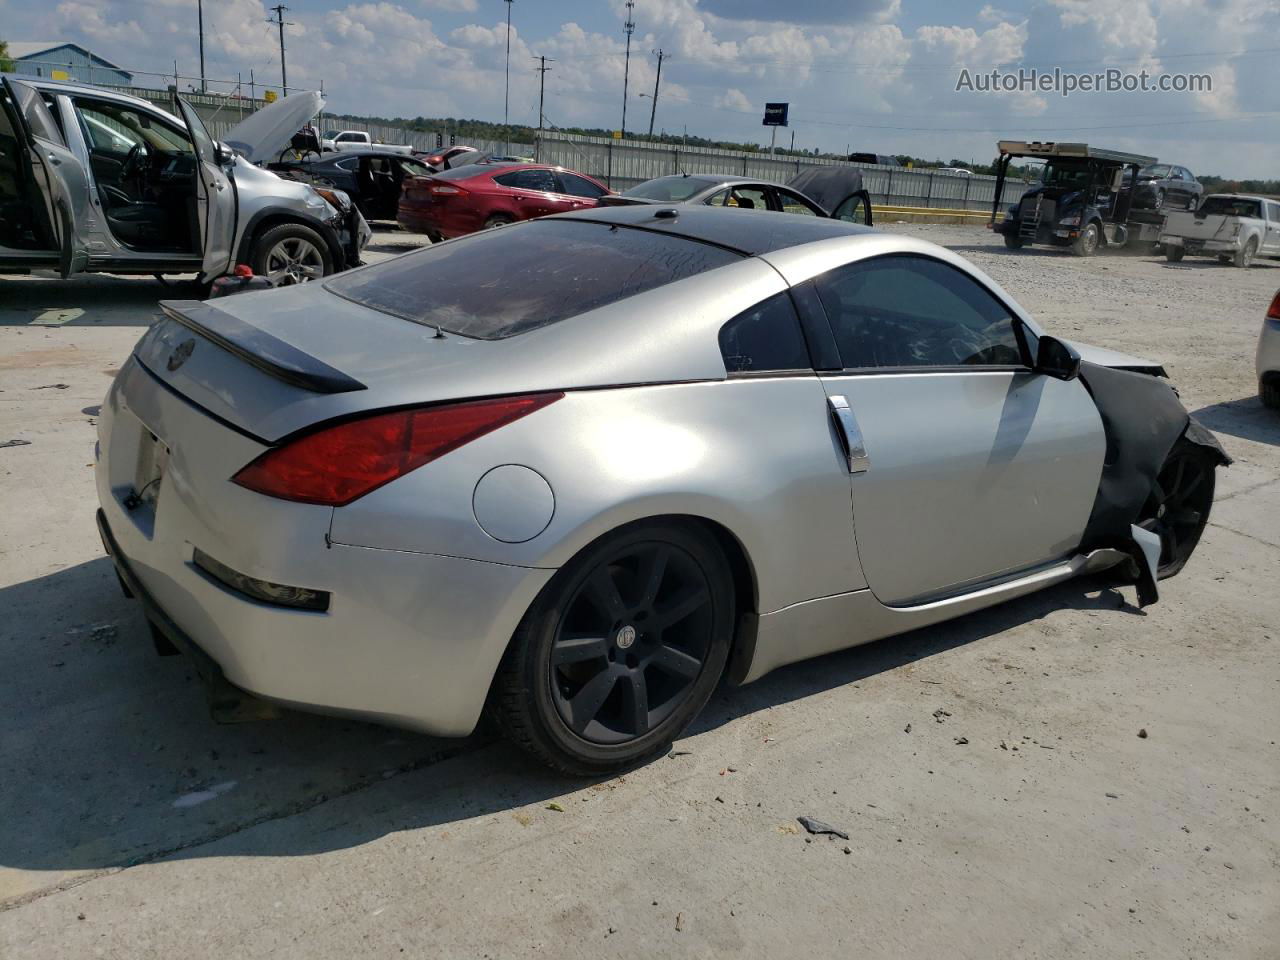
pixel 775 114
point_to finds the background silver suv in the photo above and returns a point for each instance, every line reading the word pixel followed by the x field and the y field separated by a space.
pixel 93 180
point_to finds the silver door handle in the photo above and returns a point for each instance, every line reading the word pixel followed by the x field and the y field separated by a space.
pixel 55 160
pixel 855 449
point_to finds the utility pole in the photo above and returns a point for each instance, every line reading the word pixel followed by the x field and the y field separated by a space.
pixel 630 27
pixel 793 140
pixel 506 87
pixel 204 88
pixel 542 86
pixel 653 112
pixel 280 21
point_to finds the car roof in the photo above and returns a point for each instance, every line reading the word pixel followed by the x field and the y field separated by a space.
pixel 749 232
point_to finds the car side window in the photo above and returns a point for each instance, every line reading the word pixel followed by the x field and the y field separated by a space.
pixel 790 203
pixel 1273 211
pixel 765 338
pixel 850 210
pixel 349 138
pixel 542 180
pixel 748 198
pixel 914 311
pixel 350 164
pixel 717 199
pixel 577 186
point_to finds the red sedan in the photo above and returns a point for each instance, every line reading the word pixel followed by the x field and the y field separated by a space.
pixel 484 195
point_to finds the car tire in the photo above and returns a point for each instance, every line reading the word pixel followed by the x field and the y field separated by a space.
pixel 1244 256
pixel 1012 242
pixel 1086 245
pixel 1178 508
pixel 498 220
pixel 620 650
pixel 290 253
pixel 1174 254
pixel 1269 393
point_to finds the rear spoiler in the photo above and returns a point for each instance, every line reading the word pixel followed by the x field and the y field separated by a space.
pixel 258 348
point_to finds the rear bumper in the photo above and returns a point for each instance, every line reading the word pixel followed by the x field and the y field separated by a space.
pixel 410 639
pixel 1200 246
pixel 1268 358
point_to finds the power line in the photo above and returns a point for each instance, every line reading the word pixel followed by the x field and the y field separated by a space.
pixel 542 86
pixel 506 86
pixel 280 10
pixel 653 112
pixel 630 27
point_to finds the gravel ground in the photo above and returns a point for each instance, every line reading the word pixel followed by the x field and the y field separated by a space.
pixel 1101 781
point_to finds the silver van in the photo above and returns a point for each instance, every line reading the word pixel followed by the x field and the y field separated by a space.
pixel 97 181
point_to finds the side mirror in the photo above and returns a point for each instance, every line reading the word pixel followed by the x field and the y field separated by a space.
pixel 222 153
pixel 1056 359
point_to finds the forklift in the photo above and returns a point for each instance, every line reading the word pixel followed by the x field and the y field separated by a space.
pixel 1084 199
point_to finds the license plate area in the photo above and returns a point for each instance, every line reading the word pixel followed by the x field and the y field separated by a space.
pixel 149 470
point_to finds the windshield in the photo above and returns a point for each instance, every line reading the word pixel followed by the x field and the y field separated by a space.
pixel 330 134
pixel 1157 171
pixel 1074 176
pixel 1232 207
pixel 674 189
pixel 500 283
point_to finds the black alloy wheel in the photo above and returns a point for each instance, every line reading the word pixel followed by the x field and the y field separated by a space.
pixel 620 651
pixel 1178 509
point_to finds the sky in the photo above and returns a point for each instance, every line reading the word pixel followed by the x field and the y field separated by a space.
pixel 868 75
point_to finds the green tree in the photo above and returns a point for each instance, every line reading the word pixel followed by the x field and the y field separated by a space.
pixel 6 62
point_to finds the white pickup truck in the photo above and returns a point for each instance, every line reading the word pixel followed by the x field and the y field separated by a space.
pixel 1231 227
pixel 335 141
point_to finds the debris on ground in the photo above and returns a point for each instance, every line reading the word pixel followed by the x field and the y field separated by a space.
pixel 1113 796
pixel 16 443
pixel 555 806
pixel 1142 734
pixel 679 922
pixel 679 753
pixel 907 728
pixel 848 849
pixel 53 386
pixel 961 741
pixel 941 715
pixel 818 827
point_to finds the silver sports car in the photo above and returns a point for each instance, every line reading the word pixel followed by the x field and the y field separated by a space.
pixel 579 469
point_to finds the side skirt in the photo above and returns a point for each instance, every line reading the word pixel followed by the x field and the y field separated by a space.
pixel 815 627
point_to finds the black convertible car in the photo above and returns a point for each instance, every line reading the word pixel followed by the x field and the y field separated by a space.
pixel 372 178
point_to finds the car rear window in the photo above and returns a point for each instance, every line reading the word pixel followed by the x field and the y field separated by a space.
pixel 500 283
pixel 1232 207
pixel 668 189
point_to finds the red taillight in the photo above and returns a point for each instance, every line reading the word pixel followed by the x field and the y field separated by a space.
pixel 1273 311
pixel 444 190
pixel 335 465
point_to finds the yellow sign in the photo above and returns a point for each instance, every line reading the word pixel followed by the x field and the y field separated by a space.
pixel 617 134
pixel 269 96
pixel 59 75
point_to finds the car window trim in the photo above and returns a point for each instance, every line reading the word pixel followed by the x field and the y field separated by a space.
pixel 1019 325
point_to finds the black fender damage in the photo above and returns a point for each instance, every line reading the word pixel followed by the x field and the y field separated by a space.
pixel 1142 419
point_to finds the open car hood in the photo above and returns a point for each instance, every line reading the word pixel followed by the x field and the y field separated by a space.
pixel 1116 360
pixel 262 136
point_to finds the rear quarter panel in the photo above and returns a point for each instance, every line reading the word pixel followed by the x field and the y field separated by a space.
pixel 756 456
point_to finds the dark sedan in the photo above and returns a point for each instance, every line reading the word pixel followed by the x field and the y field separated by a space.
pixel 1164 185
pixel 372 178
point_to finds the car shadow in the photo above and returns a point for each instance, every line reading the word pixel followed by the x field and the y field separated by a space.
pixel 45 299
pixel 110 758
pixel 1245 418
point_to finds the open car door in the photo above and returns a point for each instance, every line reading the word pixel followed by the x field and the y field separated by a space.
pixel 215 198
pixel 56 174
